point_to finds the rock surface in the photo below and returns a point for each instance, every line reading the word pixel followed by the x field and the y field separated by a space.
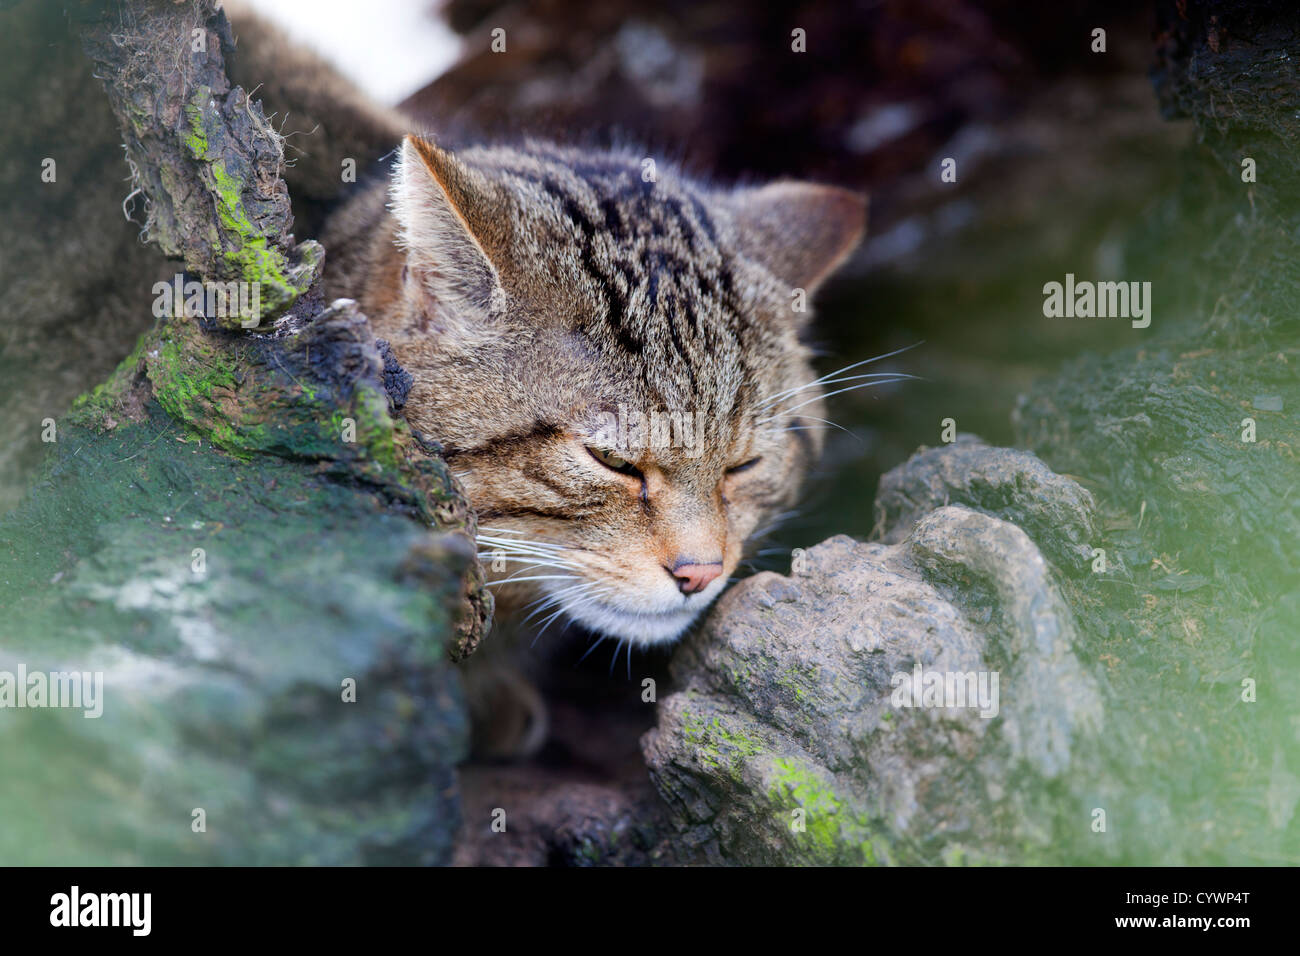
pixel 787 741
pixel 225 603
pixel 1004 482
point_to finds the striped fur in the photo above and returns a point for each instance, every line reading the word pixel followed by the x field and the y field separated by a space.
pixel 543 297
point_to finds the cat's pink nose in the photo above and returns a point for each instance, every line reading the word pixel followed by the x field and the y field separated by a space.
pixel 695 577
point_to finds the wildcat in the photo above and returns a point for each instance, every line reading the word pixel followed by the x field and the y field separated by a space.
pixel 610 361
pixel 545 299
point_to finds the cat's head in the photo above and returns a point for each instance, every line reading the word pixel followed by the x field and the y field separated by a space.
pixel 610 356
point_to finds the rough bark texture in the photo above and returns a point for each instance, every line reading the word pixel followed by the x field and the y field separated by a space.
pixel 238 534
pixel 196 145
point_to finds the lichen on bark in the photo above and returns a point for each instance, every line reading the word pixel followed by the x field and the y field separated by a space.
pixel 202 153
pixel 237 531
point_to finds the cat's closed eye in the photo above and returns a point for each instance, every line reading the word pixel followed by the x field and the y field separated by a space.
pixel 744 465
pixel 672 301
pixel 612 461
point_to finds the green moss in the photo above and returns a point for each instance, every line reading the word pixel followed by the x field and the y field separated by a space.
pixel 191 375
pixel 741 676
pixel 717 747
pixel 197 384
pixel 252 258
pixel 835 833
pixel 793 681
pixel 96 407
pixel 375 428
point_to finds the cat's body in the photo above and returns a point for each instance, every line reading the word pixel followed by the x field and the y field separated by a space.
pixel 548 301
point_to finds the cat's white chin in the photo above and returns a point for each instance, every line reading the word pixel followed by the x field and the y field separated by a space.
pixel 641 628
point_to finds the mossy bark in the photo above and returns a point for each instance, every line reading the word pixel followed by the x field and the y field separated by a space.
pixel 227 604
pixel 205 157
pixel 236 531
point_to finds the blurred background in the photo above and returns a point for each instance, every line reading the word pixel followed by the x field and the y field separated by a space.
pixel 389 48
pixel 1063 163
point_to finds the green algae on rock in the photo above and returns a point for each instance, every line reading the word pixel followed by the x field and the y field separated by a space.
pixel 311 392
pixel 228 605
pixel 785 745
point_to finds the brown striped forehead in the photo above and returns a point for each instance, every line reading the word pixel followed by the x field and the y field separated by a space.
pixel 639 269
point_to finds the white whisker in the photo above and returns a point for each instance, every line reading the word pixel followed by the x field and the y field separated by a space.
pixel 847 368
pixel 827 421
pixel 773 523
pixel 599 641
pixel 557 597
pixel 531 577
pixel 818 398
pixel 870 377
pixel 515 549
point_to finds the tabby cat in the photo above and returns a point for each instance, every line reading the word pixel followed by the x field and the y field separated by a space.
pixel 609 355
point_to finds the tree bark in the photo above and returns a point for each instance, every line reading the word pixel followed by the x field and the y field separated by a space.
pixel 237 533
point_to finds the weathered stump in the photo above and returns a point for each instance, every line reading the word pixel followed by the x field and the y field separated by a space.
pixel 235 533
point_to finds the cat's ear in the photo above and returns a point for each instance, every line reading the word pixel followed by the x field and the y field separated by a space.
pixel 801 232
pixel 447 229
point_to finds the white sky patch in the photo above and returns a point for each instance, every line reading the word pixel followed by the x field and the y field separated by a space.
pixel 390 48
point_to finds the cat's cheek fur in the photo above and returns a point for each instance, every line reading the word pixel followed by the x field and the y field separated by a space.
pixel 645 608
pixel 642 628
